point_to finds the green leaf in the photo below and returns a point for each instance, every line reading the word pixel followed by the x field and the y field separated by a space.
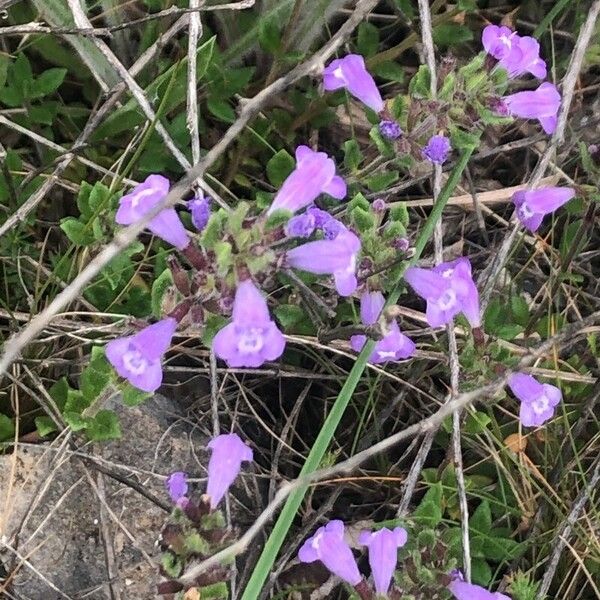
pixel 352 155
pixel 194 542
pixel 104 426
pixel 22 75
pixel 171 564
pixel 520 310
pixel 481 520
pixel 214 229
pixel 384 145
pixel 77 232
pixel 59 392
pixel 399 212
pixel 7 428
pixel 44 115
pixel 221 109
pixel 363 219
pixel 500 549
pixel 76 402
pixel 382 181
pixel 75 421
pixel 269 36
pixel 419 85
pixel 49 81
pixel 159 287
pixel 278 218
pixel 451 34
pixel 93 382
pixel 367 40
pixel 289 315
pixel 279 167
pixel 45 426
pixel 481 572
pixel 223 255
pixel 429 511
pixel 132 396
pixel 477 423
pixel 389 70
pixel 4 64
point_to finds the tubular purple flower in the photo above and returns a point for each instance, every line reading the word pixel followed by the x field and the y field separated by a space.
pixel 394 346
pixel 383 547
pixel 514 53
pixel 300 226
pixel 532 206
pixel 142 199
pixel 351 73
pixel 252 337
pixel 335 257
pixel 314 175
pixel 177 486
pixel 538 400
pixel 225 464
pixel 448 289
pixel 200 209
pixel 437 149
pixel 469 591
pixel 541 104
pixel 137 357
pixel 328 546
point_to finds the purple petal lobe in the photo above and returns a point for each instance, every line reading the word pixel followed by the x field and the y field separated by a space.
pixel 383 547
pixel 541 104
pixel 469 591
pixel 137 358
pixel 350 73
pixel 177 486
pixel 141 200
pixel 328 546
pixel 314 174
pixel 228 454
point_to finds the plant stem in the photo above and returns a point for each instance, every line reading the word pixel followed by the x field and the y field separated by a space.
pixel 317 452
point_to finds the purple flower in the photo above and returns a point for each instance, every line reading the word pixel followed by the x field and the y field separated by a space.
pixel 533 205
pixel 449 289
pixel 469 591
pixel 390 129
pixel 514 53
pixel 252 337
pixel 300 225
pixel 350 73
pixel 394 346
pixel 538 400
pixel 437 149
pixel 177 486
pixel 541 104
pixel 335 257
pixel 137 357
pixel 379 205
pixel 328 546
pixel 314 174
pixel 141 200
pixel 383 547
pixel 200 209
pixel 225 464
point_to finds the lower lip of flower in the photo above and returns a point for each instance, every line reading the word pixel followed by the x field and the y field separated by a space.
pixel 251 341
pixel 540 405
pixel 134 361
pixel 447 300
pixel 524 211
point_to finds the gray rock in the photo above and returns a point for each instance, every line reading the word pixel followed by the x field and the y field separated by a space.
pixel 57 522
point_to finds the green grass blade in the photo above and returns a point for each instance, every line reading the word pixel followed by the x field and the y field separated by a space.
pixel 317 452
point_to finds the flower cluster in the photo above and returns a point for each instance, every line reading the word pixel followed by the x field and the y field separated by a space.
pixel 234 255
pixel 519 55
pixel 329 546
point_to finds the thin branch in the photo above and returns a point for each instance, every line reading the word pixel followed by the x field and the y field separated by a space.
pixel 568 336
pixel 35 27
pixel 195 32
pixel 125 237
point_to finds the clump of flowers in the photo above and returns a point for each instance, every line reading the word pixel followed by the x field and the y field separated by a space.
pixel 196 528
